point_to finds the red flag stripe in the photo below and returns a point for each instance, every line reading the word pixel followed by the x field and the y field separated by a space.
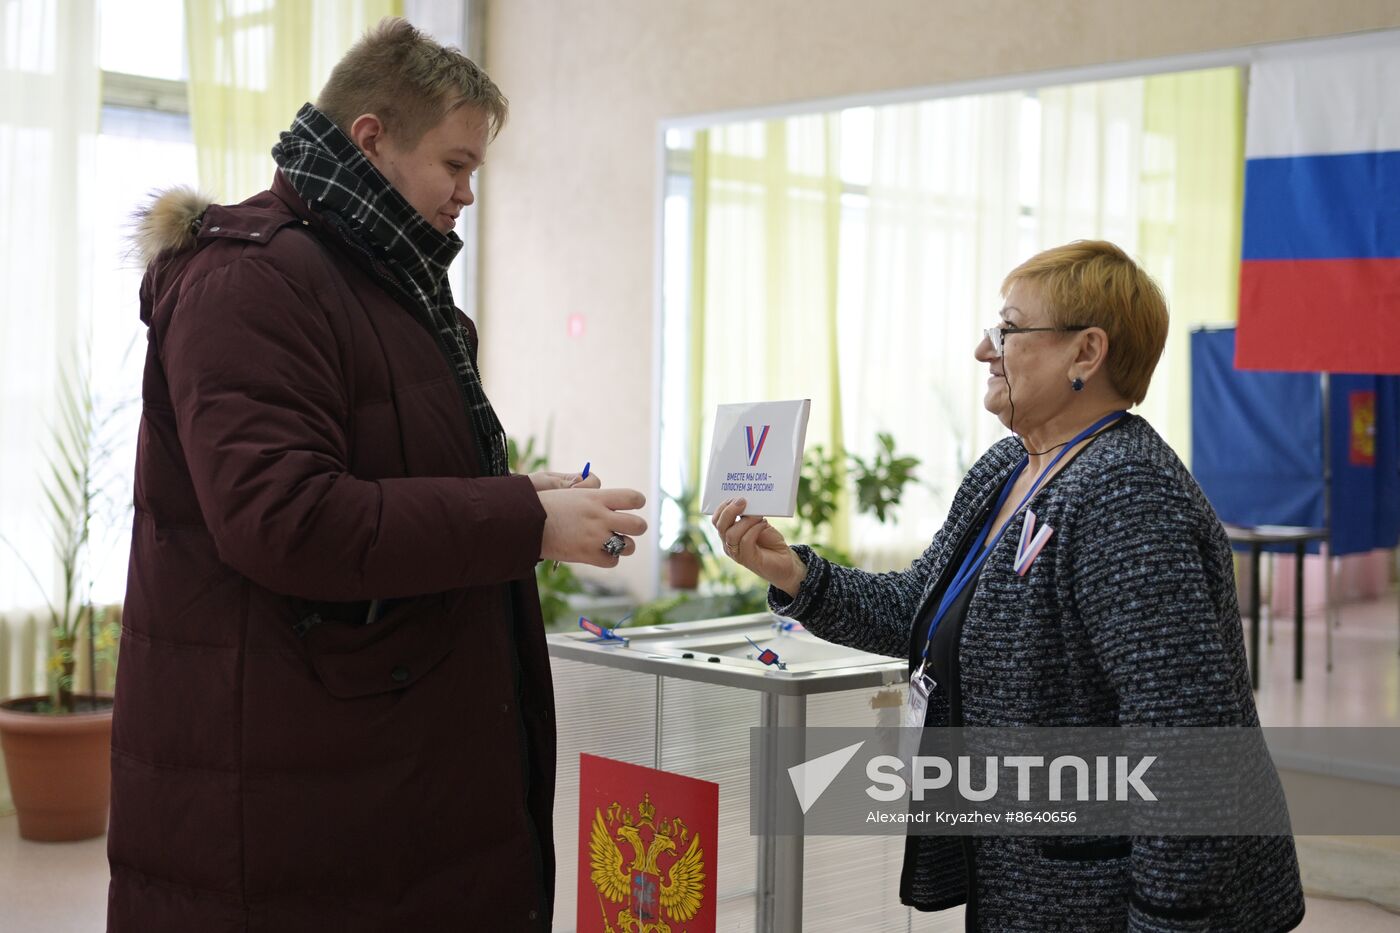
pixel 1307 315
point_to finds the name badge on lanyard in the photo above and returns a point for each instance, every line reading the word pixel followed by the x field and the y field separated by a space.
pixel 921 685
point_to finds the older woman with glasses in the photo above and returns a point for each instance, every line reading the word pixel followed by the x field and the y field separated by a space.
pixel 1118 608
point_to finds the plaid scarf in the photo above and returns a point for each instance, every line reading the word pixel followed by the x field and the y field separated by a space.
pixel 329 171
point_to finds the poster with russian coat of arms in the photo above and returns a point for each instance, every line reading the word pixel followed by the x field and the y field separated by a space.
pixel 647 849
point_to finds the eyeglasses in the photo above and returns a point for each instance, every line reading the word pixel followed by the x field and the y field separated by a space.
pixel 997 335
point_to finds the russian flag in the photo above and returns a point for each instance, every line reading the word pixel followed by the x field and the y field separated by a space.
pixel 1320 277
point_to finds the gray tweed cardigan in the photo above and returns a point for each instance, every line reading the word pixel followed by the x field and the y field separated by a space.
pixel 1128 616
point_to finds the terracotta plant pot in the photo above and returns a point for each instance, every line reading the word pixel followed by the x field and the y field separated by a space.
pixel 683 570
pixel 60 769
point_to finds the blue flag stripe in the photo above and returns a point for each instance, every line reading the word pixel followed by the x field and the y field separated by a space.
pixel 1323 207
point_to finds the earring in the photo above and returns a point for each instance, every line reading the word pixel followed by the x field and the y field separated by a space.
pixel 1077 385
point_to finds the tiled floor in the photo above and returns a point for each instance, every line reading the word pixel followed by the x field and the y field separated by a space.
pixel 62 888
pixel 51 887
pixel 1364 686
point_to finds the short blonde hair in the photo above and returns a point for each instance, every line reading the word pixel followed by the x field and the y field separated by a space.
pixel 1094 282
pixel 409 81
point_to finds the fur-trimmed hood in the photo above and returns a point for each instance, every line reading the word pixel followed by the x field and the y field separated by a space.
pixel 168 222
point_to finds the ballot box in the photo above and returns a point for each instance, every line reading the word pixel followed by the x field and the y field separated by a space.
pixel 683 698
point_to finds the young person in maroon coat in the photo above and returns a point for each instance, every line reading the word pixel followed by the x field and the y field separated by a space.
pixel 334 709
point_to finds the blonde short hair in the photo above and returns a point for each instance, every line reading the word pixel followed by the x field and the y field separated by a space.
pixel 409 81
pixel 1094 282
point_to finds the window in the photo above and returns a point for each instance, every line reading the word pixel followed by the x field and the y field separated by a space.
pixel 144 145
pixel 143 38
pixel 142 142
pixel 892 228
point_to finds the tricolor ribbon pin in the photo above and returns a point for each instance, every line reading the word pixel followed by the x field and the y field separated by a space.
pixel 1031 544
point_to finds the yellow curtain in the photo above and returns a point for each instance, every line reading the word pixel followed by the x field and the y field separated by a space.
pixel 764 287
pixel 253 63
pixel 699 246
pixel 1192 202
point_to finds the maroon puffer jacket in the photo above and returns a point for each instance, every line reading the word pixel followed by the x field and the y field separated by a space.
pixel 304 449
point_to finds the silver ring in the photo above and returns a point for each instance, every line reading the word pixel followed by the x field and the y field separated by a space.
pixel 615 545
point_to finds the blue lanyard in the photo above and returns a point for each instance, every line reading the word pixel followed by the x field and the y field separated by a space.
pixel 977 554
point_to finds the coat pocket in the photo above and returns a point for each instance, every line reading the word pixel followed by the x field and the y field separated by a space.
pixel 395 652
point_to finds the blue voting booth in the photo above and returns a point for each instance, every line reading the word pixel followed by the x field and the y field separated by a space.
pixel 1257 446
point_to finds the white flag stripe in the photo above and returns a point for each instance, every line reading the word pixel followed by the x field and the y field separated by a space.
pixel 1324 105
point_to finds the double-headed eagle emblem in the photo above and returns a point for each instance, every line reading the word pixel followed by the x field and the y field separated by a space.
pixel 639 886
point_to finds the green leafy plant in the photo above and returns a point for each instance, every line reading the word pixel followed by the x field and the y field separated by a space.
pixel 692 536
pixel 526 459
pixel 659 611
pixel 556 585
pixel 76 486
pixel 819 490
pixel 880 482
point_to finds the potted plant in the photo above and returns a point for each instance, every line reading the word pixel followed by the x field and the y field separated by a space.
pixel 880 481
pixel 686 553
pixel 57 746
pixel 827 477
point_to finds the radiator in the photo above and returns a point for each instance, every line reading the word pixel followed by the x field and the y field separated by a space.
pixel 23 653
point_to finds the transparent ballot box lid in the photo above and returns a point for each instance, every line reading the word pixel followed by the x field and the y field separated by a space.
pixel 752 652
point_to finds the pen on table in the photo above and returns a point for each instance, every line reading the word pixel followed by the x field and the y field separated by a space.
pixel 581 477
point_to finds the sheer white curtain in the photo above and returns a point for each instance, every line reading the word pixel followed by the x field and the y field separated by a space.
pixel 765 281
pixel 253 63
pixel 957 192
pixel 50 90
pixel 1090 163
pixel 1155 165
pixel 923 254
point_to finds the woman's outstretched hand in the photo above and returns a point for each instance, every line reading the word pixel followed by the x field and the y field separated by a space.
pixel 753 543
